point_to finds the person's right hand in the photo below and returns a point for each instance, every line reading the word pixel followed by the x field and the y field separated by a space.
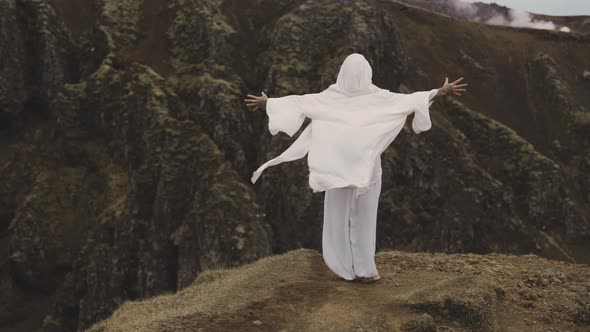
pixel 255 102
pixel 452 87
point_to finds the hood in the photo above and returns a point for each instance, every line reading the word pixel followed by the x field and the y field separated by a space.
pixel 355 75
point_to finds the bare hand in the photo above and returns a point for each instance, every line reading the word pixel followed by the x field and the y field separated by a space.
pixel 256 102
pixel 452 87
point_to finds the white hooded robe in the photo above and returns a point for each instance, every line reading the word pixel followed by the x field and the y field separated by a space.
pixel 352 123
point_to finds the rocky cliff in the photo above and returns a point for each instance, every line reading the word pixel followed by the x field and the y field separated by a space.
pixel 126 150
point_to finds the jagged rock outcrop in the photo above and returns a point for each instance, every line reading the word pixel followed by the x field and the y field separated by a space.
pixel 38 57
pixel 565 122
pixel 120 195
pixel 12 91
pixel 187 203
pixel 502 178
pixel 202 52
pixel 126 151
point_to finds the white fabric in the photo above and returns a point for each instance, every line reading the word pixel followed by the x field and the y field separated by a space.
pixel 353 122
pixel 354 77
pixel 350 230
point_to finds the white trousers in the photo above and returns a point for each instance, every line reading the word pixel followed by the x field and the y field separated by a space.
pixel 349 232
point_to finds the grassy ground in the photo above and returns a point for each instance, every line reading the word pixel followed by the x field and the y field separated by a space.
pixel 295 291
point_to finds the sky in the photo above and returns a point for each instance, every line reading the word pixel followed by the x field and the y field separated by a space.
pixel 549 7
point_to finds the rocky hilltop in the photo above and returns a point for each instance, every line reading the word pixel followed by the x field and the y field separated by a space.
pixel 126 150
pixel 295 291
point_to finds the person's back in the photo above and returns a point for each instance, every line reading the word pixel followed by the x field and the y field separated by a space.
pixel 352 123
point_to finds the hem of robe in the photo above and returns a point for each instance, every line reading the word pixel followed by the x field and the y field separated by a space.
pixel 297 150
pixel 421 121
pixel 358 189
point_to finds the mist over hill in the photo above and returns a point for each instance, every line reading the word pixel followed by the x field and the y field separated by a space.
pixel 494 14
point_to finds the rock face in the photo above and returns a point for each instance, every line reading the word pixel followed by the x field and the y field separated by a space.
pixel 188 204
pixel 295 291
pixel 120 195
pixel 126 151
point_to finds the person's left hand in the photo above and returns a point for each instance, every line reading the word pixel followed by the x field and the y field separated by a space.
pixel 454 87
pixel 256 102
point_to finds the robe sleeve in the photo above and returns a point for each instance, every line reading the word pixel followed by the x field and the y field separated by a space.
pixel 297 150
pixel 286 113
pixel 420 105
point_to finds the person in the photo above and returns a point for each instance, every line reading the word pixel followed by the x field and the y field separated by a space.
pixel 352 123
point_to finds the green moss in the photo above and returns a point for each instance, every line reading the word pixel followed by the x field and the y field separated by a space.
pixel 474 64
pixel 119 19
pixel 199 31
pixel 517 153
pixel 582 119
pixel 105 70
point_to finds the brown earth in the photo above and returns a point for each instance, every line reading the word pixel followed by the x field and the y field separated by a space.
pixel 295 291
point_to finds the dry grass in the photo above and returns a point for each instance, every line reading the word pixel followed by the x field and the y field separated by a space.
pixel 295 291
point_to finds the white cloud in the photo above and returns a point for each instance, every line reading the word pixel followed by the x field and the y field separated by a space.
pixel 549 7
pixel 517 18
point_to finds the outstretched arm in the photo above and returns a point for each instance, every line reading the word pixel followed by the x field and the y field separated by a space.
pixel 285 113
pixel 447 88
